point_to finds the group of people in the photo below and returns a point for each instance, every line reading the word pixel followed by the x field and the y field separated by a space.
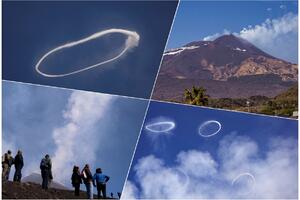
pixel 7 161
pixel 85 176
pixel 97 180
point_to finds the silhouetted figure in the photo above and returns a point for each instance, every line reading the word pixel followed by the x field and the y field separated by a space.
pixel 112 195
pixel 7 162
pixel 87 180
pixel 119 195
pixel 101 181
pixel 76 180
pixel 46 172
pixel 19 163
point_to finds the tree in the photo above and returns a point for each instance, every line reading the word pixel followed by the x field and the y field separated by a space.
pixel 196 96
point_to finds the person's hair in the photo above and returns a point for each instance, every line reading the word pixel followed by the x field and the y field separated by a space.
pixel 47 156
pixel 86 166
pixel 9 152
pixel 75 168
pixel 19 152
pixel 98 170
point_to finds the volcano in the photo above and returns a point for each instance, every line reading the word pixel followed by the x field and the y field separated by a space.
pixel 228 67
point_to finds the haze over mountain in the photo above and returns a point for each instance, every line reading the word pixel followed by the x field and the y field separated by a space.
pixel 228 67
pixel 36 178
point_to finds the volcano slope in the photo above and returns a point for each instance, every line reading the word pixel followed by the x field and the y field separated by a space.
pixel 28 190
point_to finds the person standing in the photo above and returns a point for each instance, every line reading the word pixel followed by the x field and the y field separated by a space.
pixel 76 180
pixel 101 181
pixel 88 180
pixel 46 166
pixel 19 163
pixel 7 162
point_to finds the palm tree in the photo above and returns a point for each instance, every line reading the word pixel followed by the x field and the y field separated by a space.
pixel 196 96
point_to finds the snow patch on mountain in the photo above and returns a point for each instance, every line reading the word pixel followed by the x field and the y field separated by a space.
pixel 238 49
pixel 179 50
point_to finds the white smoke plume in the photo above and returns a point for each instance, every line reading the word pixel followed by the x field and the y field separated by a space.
pixel 75 140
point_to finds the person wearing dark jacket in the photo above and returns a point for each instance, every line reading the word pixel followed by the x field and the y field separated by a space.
pixel 19 163
pixel 76 180
pixel 46 172
pixel 7 162
pixel 87 180
pixel 101 181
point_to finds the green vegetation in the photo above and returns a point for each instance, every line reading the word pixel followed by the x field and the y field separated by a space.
pixel 282 105
pixel 196 96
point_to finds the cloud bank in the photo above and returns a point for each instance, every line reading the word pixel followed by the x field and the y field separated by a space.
pixel 278 37
pixel 198 174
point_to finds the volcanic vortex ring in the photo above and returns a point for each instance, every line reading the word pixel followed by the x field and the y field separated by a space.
pixel 131 42
pixel 151 127
pixel 247 174
pixel 207 123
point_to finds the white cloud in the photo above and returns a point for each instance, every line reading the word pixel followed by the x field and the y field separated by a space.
pixel 76 140
pixel 197 163
pixel 131 191
pixel 275 171
pixel 278 37
pixel 269 9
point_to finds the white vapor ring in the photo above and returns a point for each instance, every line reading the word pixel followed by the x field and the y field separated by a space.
pixel 170 126
pixel 205 124
pixel 244 174
pixel 131 41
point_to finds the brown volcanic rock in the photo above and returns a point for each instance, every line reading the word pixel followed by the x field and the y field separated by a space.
pixel 263 65
pixel 13 190
pixel 220 66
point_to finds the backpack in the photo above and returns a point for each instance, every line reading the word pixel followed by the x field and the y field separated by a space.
pixel 43 164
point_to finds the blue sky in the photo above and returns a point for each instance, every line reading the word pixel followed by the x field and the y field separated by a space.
pixel 31 29
pixel 74 127
pixel 246 143
pixel 196 20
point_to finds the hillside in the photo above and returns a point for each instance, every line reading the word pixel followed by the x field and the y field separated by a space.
pixel 228 67
pixel 283 104
pixel 13 190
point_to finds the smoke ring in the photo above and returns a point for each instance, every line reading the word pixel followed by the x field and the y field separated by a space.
pixel 245 174
pixel 170 125
pixel 205 124
pixel 131 42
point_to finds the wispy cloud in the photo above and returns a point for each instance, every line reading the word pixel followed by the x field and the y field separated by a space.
pixel 198 174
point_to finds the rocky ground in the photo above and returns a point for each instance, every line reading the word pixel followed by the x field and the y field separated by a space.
pixel 12 190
